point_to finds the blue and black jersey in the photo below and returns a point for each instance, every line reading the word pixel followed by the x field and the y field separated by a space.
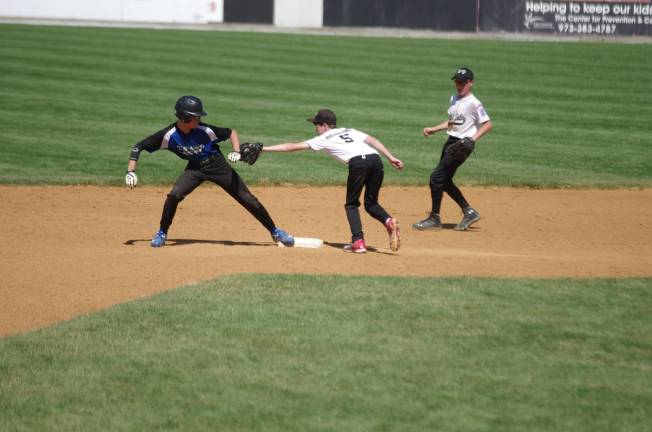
pixel 196 146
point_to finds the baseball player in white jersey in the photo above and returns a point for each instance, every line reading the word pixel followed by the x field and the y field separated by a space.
pixel 361 152
pixel 467 122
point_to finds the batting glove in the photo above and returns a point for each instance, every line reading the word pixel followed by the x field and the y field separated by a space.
pixel 234 156
pixel 131 179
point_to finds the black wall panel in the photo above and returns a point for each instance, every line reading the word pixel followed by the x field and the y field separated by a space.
pixel 249 11
pixel 448 15
pixel 501 15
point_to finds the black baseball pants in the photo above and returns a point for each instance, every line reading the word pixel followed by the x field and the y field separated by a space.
pixel 219 172
pixel 364 172
pixel 441 180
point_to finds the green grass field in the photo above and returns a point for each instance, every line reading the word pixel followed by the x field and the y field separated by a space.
pixel 321 353
pixel 74 100
pixel 299 353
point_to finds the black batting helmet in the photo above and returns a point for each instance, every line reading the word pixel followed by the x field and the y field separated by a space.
pixel 189 106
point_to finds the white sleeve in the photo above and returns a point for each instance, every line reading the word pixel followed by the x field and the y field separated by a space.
pixel 316 143
pixel 481 115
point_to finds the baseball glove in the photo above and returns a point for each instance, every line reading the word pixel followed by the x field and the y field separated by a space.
pixel 462 149
pixel 249 152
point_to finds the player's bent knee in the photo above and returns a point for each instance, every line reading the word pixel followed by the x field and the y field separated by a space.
pixel 436 185
pixel 249 198
pixel 369 206
pixel 176 196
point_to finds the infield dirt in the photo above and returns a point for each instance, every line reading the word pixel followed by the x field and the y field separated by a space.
pixel 68 251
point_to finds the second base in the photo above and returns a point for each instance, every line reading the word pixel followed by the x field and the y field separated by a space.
pixel 305 242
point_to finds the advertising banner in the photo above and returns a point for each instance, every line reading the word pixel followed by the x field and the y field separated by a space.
pixel 588 17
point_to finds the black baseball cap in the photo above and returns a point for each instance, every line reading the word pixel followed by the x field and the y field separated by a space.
pixel 324 116
pixel 463 74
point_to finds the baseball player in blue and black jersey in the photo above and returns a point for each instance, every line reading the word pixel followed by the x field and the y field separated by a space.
pixel 197 142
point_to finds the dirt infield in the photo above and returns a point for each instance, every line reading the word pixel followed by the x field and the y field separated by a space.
pixel 73 250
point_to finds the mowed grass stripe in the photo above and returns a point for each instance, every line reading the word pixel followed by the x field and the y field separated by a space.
pixel 568 107
pixel 270 352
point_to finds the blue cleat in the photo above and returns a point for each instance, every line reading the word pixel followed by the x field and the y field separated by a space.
pixel 278 235
pixel 159 239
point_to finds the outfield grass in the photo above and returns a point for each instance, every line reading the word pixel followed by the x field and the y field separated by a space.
pixel 74 100
pixel 298 353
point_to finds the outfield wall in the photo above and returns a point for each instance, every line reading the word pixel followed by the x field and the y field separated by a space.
pixel 167 11
pixel 557 17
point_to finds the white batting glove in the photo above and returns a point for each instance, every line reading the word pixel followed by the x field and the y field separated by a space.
pixel 131 179
pixel 234 156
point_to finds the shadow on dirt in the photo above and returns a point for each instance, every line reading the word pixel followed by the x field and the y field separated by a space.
pixel 185 242
pixel 369 248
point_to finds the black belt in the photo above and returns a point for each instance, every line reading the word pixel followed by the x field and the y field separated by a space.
pixel 361 157
pixel 209 160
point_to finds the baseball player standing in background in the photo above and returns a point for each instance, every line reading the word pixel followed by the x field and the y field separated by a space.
pixel 360 152
pixel 467 122
pixel 197 142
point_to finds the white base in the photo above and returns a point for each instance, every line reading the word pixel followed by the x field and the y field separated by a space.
pixel 305 242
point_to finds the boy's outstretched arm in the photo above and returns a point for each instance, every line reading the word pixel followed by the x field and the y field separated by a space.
pixel 287 147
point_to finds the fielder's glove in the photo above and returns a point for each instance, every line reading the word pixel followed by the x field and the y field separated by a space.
pixel 462 149
pixel 131 179
pixel 249 152
pixel 234 156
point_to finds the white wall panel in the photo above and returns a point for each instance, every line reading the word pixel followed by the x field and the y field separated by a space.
pixel 179 11
pixel 299 13
pixel 62 9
